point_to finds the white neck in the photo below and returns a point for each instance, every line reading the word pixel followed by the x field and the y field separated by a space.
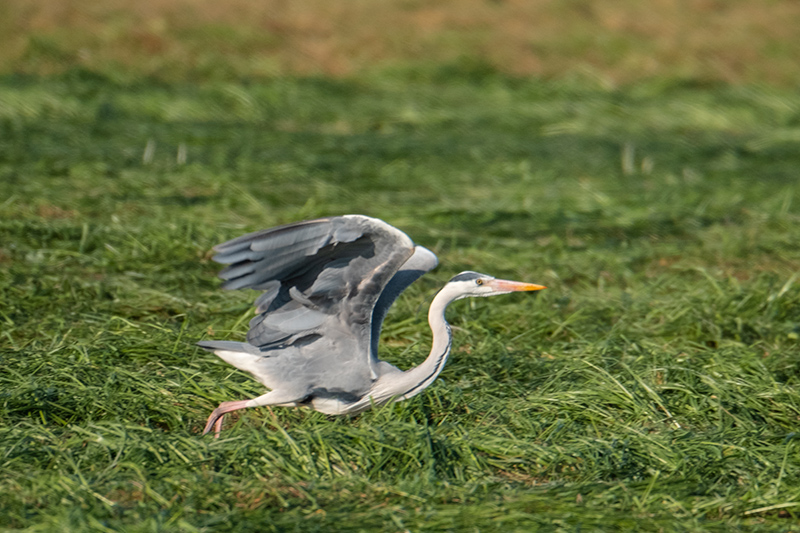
pixel 415 380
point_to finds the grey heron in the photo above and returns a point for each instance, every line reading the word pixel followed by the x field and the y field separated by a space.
pixel 327 286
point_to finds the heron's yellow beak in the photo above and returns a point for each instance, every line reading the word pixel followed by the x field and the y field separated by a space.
pixel 514 286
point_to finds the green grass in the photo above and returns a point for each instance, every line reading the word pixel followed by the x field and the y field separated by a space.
pixel 654 385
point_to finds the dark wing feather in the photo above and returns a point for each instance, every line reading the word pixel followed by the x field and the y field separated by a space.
pixel 418 264
pixel 316 275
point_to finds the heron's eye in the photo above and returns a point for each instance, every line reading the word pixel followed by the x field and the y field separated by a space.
pixel 478 282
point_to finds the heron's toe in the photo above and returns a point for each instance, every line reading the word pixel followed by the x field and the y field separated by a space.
pixel 214 419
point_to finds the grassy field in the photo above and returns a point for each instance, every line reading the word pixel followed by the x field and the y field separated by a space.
pixel 653 386
pixel 647 175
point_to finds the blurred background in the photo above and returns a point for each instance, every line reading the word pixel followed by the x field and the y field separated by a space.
pixel 617 41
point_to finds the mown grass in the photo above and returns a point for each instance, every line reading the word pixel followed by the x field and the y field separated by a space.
pixel 654 385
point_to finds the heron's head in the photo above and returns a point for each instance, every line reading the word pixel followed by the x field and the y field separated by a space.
pixel 476 284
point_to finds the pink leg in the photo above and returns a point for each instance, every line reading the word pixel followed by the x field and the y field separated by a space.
pixel 218 414
pixel 275 397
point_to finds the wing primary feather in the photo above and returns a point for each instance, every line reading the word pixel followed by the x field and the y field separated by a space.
pixel 245 241
pixel 271 290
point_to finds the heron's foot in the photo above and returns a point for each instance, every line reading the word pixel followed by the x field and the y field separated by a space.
pixel 215 420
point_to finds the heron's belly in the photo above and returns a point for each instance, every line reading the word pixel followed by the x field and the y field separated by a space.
pixel 336 406
pixel 330 406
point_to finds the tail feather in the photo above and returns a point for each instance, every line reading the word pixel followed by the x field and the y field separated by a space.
pixel 229 346
pixel 243 356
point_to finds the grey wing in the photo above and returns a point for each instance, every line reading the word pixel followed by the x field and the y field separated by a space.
pixel 321 280
pixel 417 265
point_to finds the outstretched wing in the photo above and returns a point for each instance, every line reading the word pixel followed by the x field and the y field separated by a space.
pixel 418 264
pixel 321 280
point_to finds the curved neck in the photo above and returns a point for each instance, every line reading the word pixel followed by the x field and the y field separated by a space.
pixel 415 380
